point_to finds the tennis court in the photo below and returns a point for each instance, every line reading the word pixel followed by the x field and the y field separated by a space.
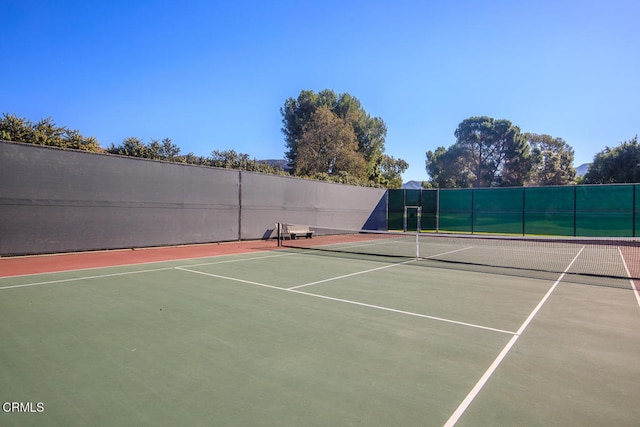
pixel 323 332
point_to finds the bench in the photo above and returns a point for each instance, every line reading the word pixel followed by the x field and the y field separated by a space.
pixel 295 231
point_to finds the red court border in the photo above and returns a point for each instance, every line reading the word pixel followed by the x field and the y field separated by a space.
pixel 37 264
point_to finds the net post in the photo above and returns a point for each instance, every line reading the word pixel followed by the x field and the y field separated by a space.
pixel 279 234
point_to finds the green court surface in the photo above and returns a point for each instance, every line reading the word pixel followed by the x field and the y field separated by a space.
pixel 296 338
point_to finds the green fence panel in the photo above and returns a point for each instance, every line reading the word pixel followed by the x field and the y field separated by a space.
pixel 395 220
pixel 456 212
pixel 605 210
pixel 592 210
pixel 429 219
pixel 396 200
pixel 396 209
pixel 412 197
pixel 549 211
pixel 498 210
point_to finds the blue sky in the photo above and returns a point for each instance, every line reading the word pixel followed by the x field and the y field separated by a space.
pixel 213 75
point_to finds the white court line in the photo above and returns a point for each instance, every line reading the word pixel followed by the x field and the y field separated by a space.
pixel 234 279
pixel 449 252
pixel 49 282
pixel 363 244
pixel 377 307
pixel 409 313
pixel 633 283
pixel 100 276
pixel 243 259
pixel 75 279
pixel 489 372
pixel 374 269
pixel 350 275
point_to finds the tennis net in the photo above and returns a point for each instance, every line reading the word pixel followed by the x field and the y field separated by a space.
pixel 598 261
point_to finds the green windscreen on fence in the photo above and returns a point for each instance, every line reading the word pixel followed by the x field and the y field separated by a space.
pixel 412 197
pixel 396 200
pixel 549 211
pixel 604 210
pixel 590 211
pixel 429 210
pixel 456 210
pixel 498 210
pixel 636 222
pixel 396 209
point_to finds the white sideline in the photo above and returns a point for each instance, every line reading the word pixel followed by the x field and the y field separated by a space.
pixel 100 276
pixel 633 283
pixel 75 279
pixel 460 410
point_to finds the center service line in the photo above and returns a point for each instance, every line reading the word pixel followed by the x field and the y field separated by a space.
pixel 350 274
pixel 373 269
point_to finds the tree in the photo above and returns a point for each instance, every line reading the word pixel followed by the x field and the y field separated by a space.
pixel 552 159
pixel 487 153
pixel 448 169
pixel 155 150
pixel 230 159
pixel 618 164
pixel 44 132
pixel 164 150
pixel 131 146
pixel 14 128
pixel 328 145
pixel 370 132
pixel 73 139
pixel 392 170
